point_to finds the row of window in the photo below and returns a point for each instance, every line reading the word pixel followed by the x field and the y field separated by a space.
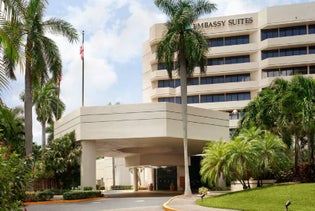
pixel 205 80
pixel 287 31
pixel 228 60
pixel 209 98
pixel 225 41
pixel 287 52
pixel 288 71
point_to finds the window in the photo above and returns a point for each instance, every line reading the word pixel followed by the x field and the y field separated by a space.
pixel 293 51
pixel 237 96
pixel 161 66
pixel 312 69
pixel 237 59
pixel 311 29
pixel 237 78
pixel 269 54
pixel 212 80
pixel 212 98
pixel 269 33
pixel 215 61
pixel 166 99
pixel 312 50
pixel 165 83
pixel 287 71
pixel 292 31
pixel 193 99
pixel 192 81
pixel 218 98
pixel 215 42
pixel 237 40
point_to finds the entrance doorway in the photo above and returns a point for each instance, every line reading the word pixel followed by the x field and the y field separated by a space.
pixel 166 177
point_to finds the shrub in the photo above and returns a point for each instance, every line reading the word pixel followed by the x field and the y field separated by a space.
pixel 203 190
pixel 87 188
pixel 121 187
pixel 79 194
pixel 31 196
pixel 39 195
pixel 45 195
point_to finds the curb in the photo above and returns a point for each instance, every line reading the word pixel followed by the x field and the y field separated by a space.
pixel 166 207
pixel 61 201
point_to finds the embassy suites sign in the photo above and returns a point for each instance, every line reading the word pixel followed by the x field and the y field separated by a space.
pixel 223 23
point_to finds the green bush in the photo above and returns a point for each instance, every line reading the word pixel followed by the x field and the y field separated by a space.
pixel 87 188
pixel 45 195
pixel 31 196
pixel 121 187
pixel 59 191
pixel 79 194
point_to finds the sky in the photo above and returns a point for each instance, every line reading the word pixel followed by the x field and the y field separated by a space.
pixel 114 33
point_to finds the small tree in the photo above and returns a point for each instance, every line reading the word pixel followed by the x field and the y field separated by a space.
pixel 62 159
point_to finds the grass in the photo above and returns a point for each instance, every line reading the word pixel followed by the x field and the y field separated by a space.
pixel 272 198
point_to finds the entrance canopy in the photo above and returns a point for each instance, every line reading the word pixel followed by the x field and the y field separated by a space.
pixel 145 134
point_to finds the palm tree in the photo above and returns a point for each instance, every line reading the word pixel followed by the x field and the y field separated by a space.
pixel 23 41
pixel 271 154
pixel 189 45
pixel 213 164
pixel 48 106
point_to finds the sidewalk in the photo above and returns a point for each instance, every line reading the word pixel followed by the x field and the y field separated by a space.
pixel 182 203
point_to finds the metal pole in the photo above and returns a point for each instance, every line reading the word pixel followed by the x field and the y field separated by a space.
pixel 82 59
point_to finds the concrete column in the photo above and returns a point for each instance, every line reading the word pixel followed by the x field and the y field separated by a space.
pixel 135 179
pixel 88 164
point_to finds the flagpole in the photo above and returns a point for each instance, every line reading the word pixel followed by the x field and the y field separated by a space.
pixel 82 59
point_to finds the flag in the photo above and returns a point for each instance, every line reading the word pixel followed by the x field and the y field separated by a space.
pixel 82 52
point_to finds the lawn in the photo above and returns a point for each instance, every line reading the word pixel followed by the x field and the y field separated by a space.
pixel 272 198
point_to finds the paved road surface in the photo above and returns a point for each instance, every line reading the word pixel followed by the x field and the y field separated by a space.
pixel 107 204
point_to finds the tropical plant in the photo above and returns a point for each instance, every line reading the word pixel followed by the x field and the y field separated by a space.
pixel 213 164
pixel 12 127
pixel 254 153
pixel 15 174
pixel 186 44
pixel 23 40
pixel 62 160
pixel 48 105
pixel 287 109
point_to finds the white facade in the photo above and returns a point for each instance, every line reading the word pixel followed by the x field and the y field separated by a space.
pixel 246 52
pixel 143 135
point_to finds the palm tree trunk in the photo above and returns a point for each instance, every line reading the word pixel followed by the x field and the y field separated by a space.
pixel 43 135
pixel 28 106
pixel 183 88
pixel 296 156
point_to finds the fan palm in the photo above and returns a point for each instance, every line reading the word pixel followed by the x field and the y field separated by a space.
pixel 189 45
pixel 23 41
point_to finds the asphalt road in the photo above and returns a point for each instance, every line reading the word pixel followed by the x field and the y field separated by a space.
pixel 106 204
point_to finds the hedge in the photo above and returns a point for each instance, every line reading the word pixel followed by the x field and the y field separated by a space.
pixel 45 195
pixel 79 194
pixel 121 187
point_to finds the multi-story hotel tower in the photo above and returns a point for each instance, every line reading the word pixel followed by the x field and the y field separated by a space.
pixel 246 53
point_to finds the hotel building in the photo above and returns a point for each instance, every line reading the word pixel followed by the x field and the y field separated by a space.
pixel 246 53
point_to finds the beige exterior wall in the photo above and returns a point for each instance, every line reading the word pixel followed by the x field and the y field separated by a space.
pixel 138 136
pixel 251 24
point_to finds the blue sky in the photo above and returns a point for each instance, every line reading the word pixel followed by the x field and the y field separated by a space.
pixel 114 33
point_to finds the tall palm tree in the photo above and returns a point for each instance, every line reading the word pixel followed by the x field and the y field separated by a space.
pixel 190 47
pixel 23 40
pixel 48 106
